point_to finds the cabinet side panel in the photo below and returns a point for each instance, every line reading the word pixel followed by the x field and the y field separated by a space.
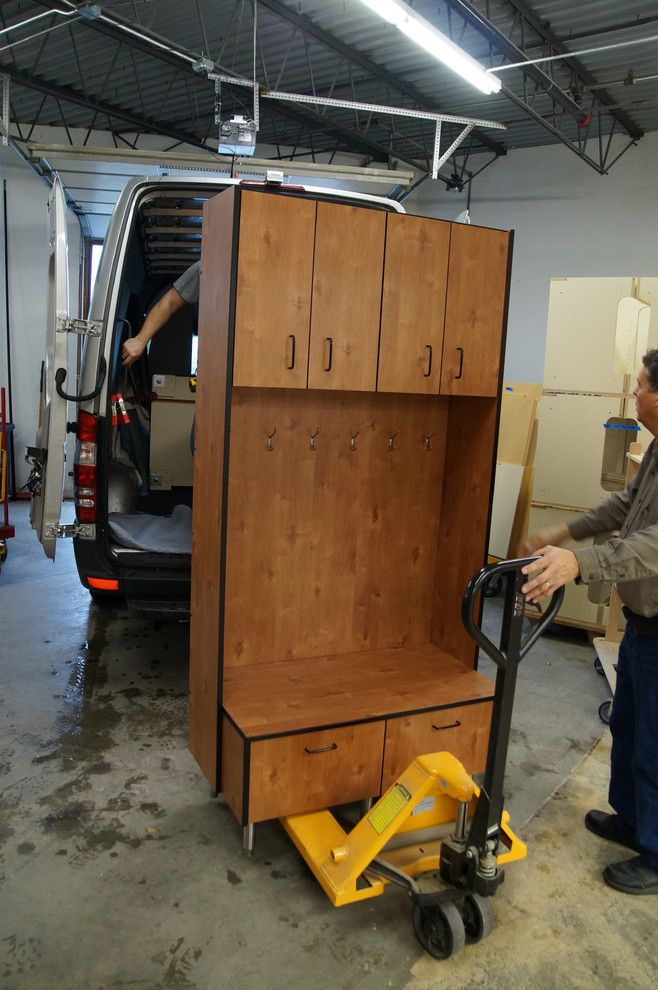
pixel 332 549
pixel 233 765
pixel 465 517
pixel 215 304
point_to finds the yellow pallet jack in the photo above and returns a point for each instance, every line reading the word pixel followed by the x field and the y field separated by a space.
pixel 399 838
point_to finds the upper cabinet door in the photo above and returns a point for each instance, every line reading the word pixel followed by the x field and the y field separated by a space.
pixel 273 303
pixel 413 304
pixel 347 288
pixel 475 310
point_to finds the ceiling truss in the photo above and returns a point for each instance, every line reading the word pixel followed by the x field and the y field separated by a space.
pixel 557 97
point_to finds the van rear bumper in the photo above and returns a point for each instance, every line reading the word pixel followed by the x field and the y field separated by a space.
pixel 150 582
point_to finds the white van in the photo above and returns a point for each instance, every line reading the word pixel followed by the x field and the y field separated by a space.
pixel 132 469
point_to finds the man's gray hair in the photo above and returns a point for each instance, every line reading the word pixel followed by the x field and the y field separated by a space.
pixel 650 362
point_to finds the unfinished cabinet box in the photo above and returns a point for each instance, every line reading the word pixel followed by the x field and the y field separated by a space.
pixel 335 530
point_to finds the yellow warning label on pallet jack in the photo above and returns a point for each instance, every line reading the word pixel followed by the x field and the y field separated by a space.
pixel 390 805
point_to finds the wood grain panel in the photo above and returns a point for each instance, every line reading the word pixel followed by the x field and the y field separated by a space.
pixel 210 436
pixel 296 695
pixel 464 527
pixel 475 310
pixel 314 770
pixel 347 288
pixel 462 731
pixel 333 549
pixel 273 309
pixel 413 304
pixel 232 760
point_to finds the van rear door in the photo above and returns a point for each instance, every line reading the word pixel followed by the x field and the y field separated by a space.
pixel 47 456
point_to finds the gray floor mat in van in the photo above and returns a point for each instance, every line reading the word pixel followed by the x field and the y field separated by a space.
pixel 159 534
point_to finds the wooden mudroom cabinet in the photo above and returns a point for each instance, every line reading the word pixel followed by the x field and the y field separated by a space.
pixel 342 495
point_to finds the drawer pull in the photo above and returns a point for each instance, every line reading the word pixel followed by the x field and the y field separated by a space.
pixel 461 362
pixel 323 749
pixel 453 725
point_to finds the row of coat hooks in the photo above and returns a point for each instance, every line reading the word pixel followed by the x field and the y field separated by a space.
pixel 314 434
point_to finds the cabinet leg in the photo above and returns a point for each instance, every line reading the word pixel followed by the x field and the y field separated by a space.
pixel 248 838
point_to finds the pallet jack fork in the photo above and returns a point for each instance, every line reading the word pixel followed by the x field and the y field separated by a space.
pixel 398 839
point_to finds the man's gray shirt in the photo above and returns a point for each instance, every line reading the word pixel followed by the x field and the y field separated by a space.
pixel 630 559
pixel 187 285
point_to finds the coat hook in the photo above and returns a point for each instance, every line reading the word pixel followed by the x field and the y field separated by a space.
pixel 428 440
pixel 270 445
pixel 353 440
pixel 391 440
pixel 313 436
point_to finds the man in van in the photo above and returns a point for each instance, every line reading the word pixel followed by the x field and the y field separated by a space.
pixel 184 291
pixel 630 559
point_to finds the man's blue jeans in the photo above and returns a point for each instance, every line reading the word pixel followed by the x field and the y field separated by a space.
pixel 634 726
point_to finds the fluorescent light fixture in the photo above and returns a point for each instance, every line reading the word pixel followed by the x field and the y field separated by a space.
pixel 433 41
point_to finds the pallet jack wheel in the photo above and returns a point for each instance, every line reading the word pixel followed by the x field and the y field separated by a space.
pixel 604 712
pixel 478 917
pixel 439 928
pixel 598 667
pixel 3 551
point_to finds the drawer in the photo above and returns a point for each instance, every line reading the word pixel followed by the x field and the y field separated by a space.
pixel 462 731
pixel 314 770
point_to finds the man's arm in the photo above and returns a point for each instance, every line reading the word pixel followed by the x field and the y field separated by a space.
pixel 158 315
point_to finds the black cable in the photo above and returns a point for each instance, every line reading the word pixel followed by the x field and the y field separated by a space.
pixel 9 388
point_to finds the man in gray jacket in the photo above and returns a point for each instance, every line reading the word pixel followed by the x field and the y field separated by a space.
pixel 631 560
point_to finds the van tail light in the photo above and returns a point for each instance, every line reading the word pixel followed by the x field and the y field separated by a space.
pixel 84 468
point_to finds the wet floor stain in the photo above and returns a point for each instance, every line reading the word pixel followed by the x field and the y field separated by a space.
pixel 178 963
pixel 25 848
pixel 233 878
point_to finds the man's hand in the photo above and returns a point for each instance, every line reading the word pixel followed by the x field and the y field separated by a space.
pixel 132 350
pixel 556 568
pixel 551 536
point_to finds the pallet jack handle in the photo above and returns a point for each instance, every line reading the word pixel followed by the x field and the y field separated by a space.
pixel 478 870
pixel 514 608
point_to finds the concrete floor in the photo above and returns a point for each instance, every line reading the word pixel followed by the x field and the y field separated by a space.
pixel 119 870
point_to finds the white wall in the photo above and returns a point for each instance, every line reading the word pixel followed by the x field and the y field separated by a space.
pixel 27 256
pixel 568 221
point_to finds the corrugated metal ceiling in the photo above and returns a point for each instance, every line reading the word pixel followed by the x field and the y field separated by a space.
pixel 113 74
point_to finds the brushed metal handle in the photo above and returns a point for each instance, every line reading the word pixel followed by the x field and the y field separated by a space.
pixel 428 348
pixel 292 342
pixel 330 341
pixel 461 362
pixel 323 749
pixel 453 725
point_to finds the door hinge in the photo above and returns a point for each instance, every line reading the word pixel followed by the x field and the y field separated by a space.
pixel 86 328
pixel 85 530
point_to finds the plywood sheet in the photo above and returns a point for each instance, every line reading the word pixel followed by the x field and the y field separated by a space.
pixel 570 449
pixel 517 414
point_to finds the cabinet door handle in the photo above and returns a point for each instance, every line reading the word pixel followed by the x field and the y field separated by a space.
pixel 461 362
pixel 323 749
pixel 453 725
pixel 330 341
pixel 428 348
pixel 291 340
